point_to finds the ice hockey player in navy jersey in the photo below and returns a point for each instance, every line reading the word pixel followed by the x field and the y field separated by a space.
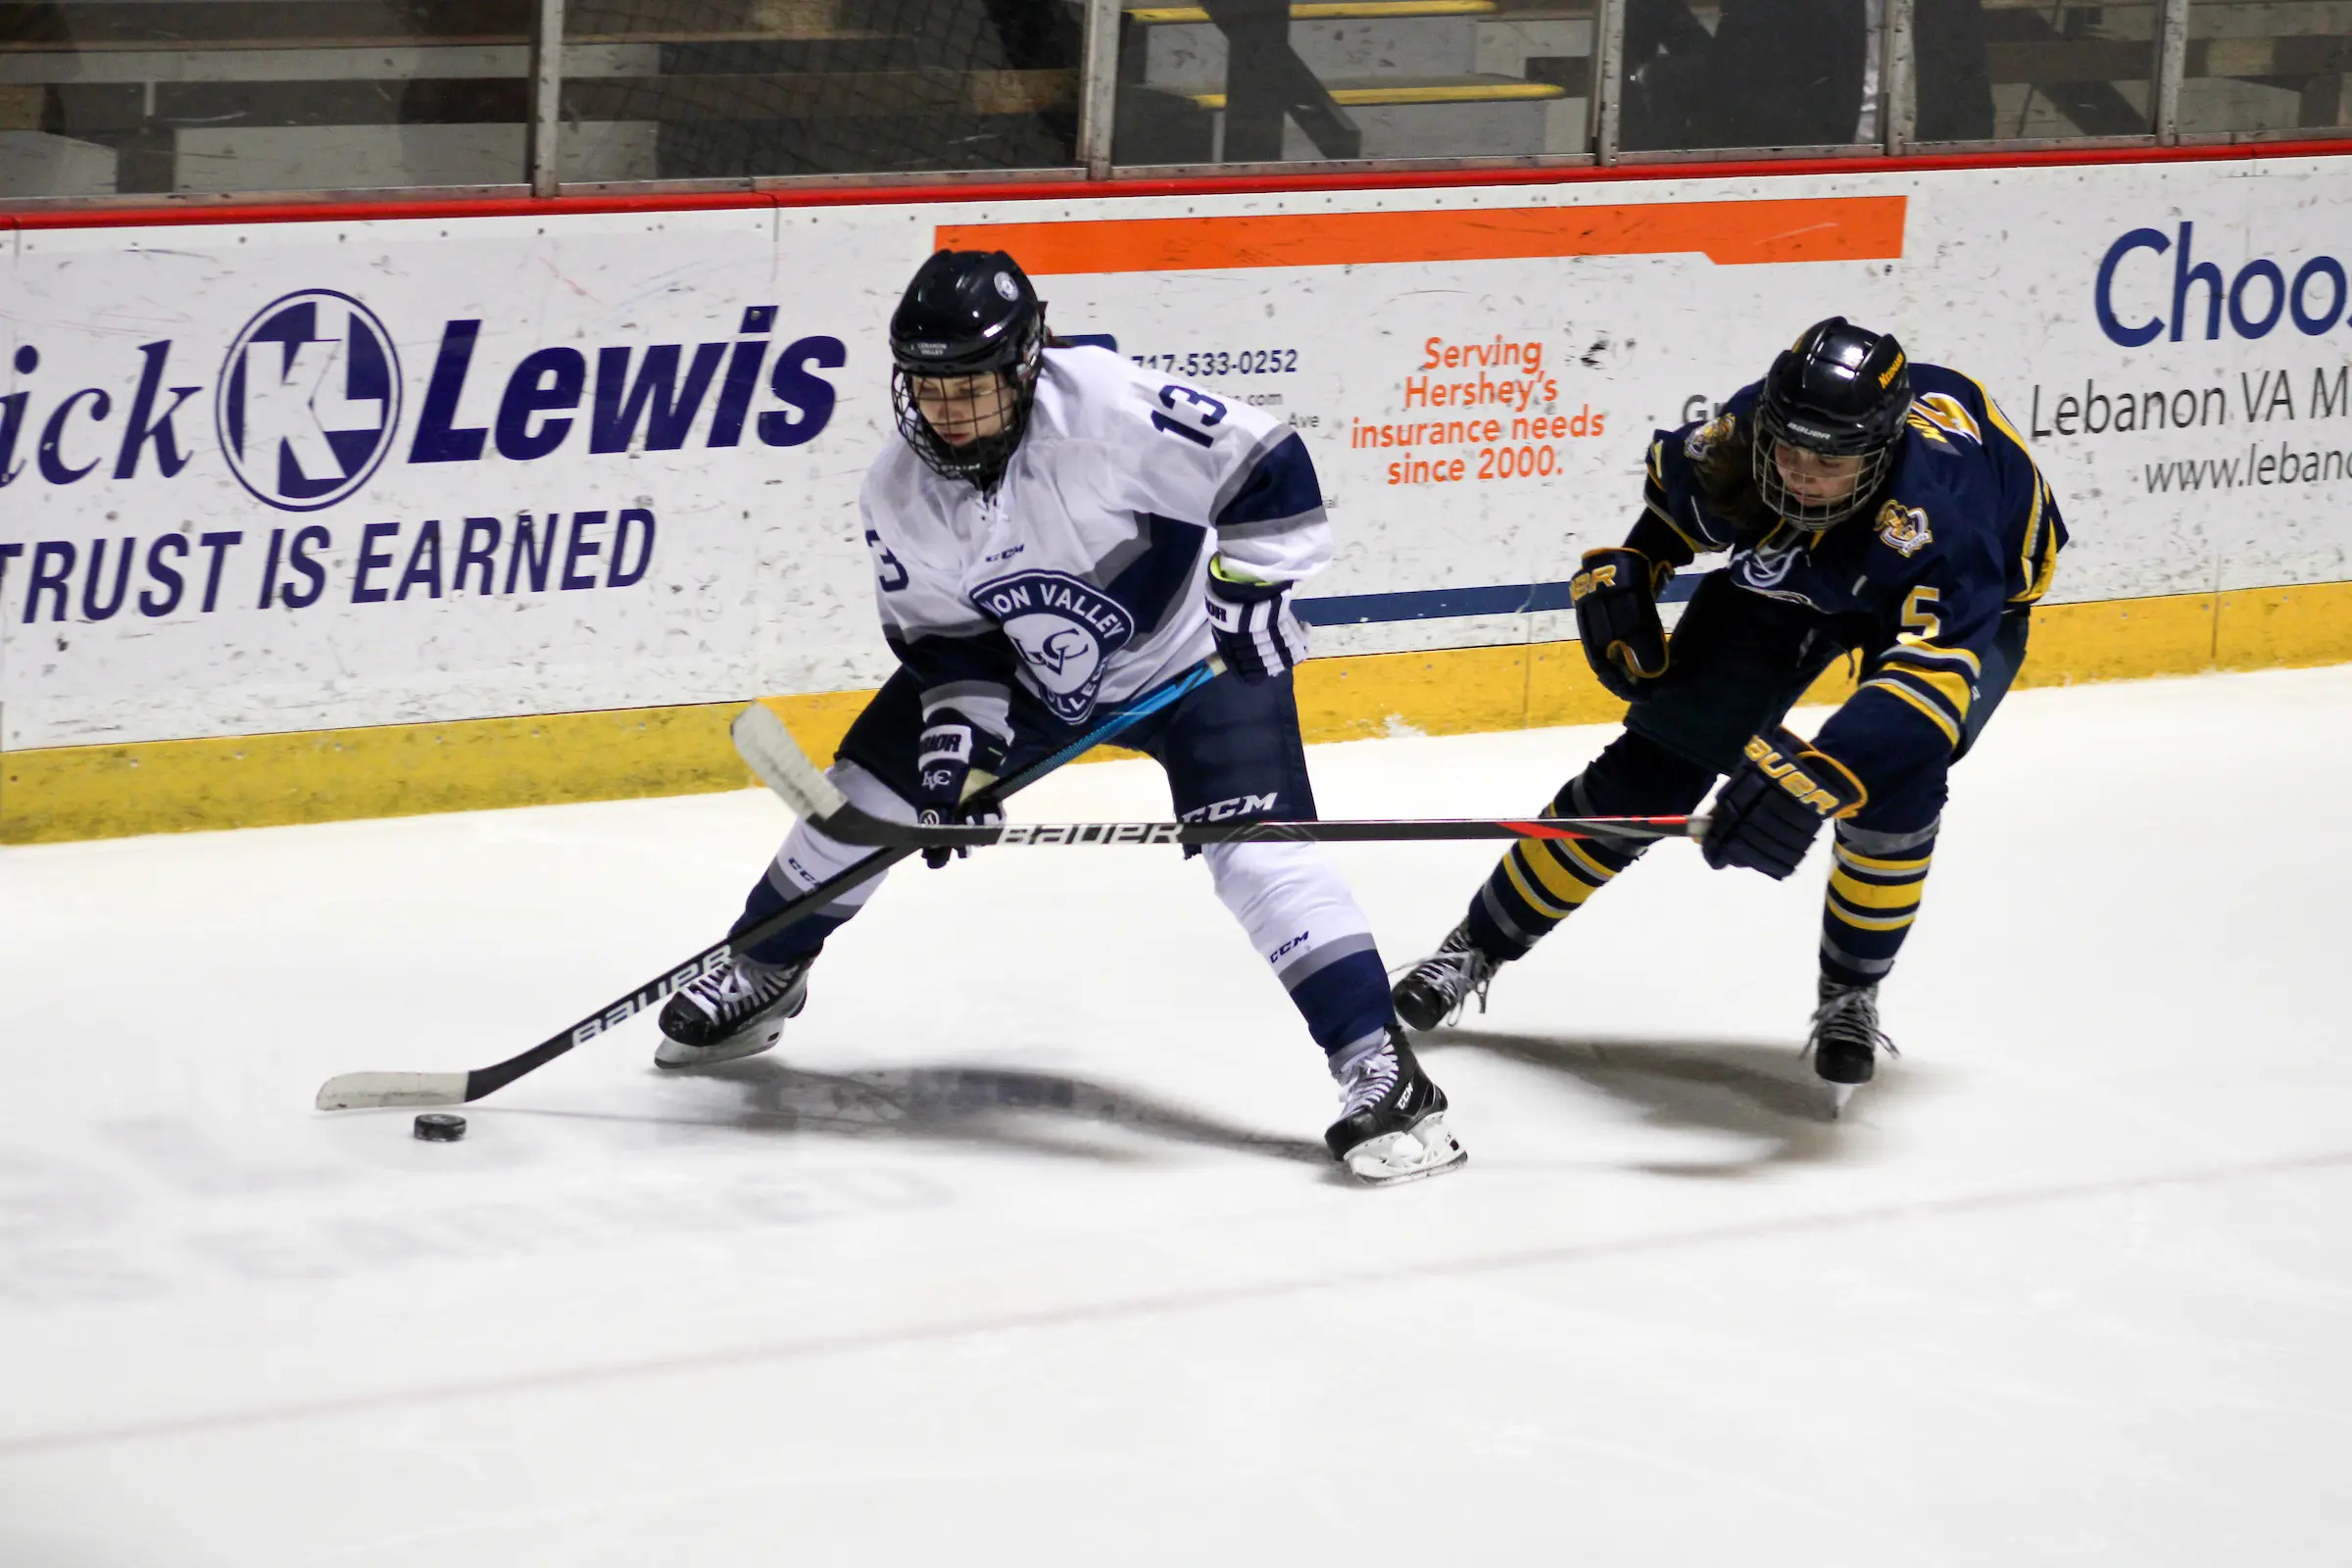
pixel 1870 506
pixel 1058 531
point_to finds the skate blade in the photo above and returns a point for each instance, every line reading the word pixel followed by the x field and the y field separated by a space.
pixel 675 1055
pixel 1840 1094
pixel 763 1035
pixel 1424 1149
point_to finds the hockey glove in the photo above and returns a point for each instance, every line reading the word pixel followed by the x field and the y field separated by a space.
pixel 1767 813
pixel 1616 599
pixel 955 757
pixel 1256 634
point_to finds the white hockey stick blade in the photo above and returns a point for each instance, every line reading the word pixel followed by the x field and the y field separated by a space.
pixel 767 748
pixel 368 1091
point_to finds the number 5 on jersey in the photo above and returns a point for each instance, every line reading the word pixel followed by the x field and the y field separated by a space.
pixel 1197 408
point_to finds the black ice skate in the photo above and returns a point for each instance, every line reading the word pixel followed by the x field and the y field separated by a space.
pixel 1436 989
pixel 735 1012
pixel 1393 1127
pixel 1846 1039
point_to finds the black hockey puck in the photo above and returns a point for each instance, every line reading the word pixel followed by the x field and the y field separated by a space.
pixel 437 1127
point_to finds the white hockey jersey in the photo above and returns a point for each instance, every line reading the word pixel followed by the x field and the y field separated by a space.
pixel 1081 577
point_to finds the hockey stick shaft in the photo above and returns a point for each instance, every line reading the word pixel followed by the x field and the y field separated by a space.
pixel 365 1090
pixel 771 752
pixel 860 828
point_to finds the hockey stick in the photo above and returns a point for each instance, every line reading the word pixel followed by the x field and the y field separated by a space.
pixel 771 752
pixel 360 1090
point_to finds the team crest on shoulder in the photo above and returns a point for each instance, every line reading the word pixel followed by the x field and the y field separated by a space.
pixel 1904 529
pixel 1066 630
pixel 1699 442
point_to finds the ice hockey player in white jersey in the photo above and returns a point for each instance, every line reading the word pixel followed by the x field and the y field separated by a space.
pixel 1058 531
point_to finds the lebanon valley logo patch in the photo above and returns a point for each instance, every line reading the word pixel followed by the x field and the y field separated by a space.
pixel 1904 528
pixel 1066 630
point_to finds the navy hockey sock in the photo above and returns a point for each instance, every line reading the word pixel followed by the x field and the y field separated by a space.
pixel 1345 1001
pixel 803 939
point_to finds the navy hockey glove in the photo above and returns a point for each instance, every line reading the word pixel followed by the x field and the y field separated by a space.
pixel 1616 599
pixel 1767 815
pixel 1256 634
pixel 953 755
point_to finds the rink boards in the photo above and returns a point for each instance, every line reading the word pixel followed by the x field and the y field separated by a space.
pixel 332 516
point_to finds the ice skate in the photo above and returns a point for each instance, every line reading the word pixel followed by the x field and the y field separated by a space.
pixel 1436 989
pixel 1393 1127
pixel 735 1012
pixel 1845 1039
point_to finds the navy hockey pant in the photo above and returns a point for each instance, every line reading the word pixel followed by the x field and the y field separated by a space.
pixel 1739 662
pixel 1230 750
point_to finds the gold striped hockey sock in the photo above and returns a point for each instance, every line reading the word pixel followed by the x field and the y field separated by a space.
pixel 1541 882
pixel 1875 884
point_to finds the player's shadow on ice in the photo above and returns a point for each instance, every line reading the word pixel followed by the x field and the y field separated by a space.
pixel 1031 1112
pixel 1751 1090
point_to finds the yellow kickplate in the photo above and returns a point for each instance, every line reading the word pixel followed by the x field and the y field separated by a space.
pixel 2256 628
pixel 1447 691
pixel 2119 639
pixel 90 792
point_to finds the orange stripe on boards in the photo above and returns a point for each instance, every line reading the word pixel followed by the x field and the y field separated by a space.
pixel 1828 228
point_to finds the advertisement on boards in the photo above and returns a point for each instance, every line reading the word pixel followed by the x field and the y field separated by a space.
pixel 310 475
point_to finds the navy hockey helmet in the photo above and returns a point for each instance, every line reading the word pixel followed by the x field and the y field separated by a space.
pixel 966 344
pixel 1839 391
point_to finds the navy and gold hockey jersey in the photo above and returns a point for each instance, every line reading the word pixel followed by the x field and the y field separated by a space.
pixel 1965 532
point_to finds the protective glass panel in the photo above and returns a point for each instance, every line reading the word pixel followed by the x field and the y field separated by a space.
pixel 1245 81
pixel 1749 73
pixel 712 89
pixel 2265 67
pixel 106 97
pixel 2063 70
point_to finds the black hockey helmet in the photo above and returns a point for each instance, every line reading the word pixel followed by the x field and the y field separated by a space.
pixel 1842 391
pixel 968 313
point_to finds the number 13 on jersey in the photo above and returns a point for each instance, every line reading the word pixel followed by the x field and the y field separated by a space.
pixel 1187 410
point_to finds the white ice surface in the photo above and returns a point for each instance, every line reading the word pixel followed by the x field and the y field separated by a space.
pixel 1022 1249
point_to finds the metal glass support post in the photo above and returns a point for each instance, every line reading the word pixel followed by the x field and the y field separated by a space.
pixel 1899 80
pixel 1099 88
pixel 547 95
pixel 1608 78
pixel 2172 64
